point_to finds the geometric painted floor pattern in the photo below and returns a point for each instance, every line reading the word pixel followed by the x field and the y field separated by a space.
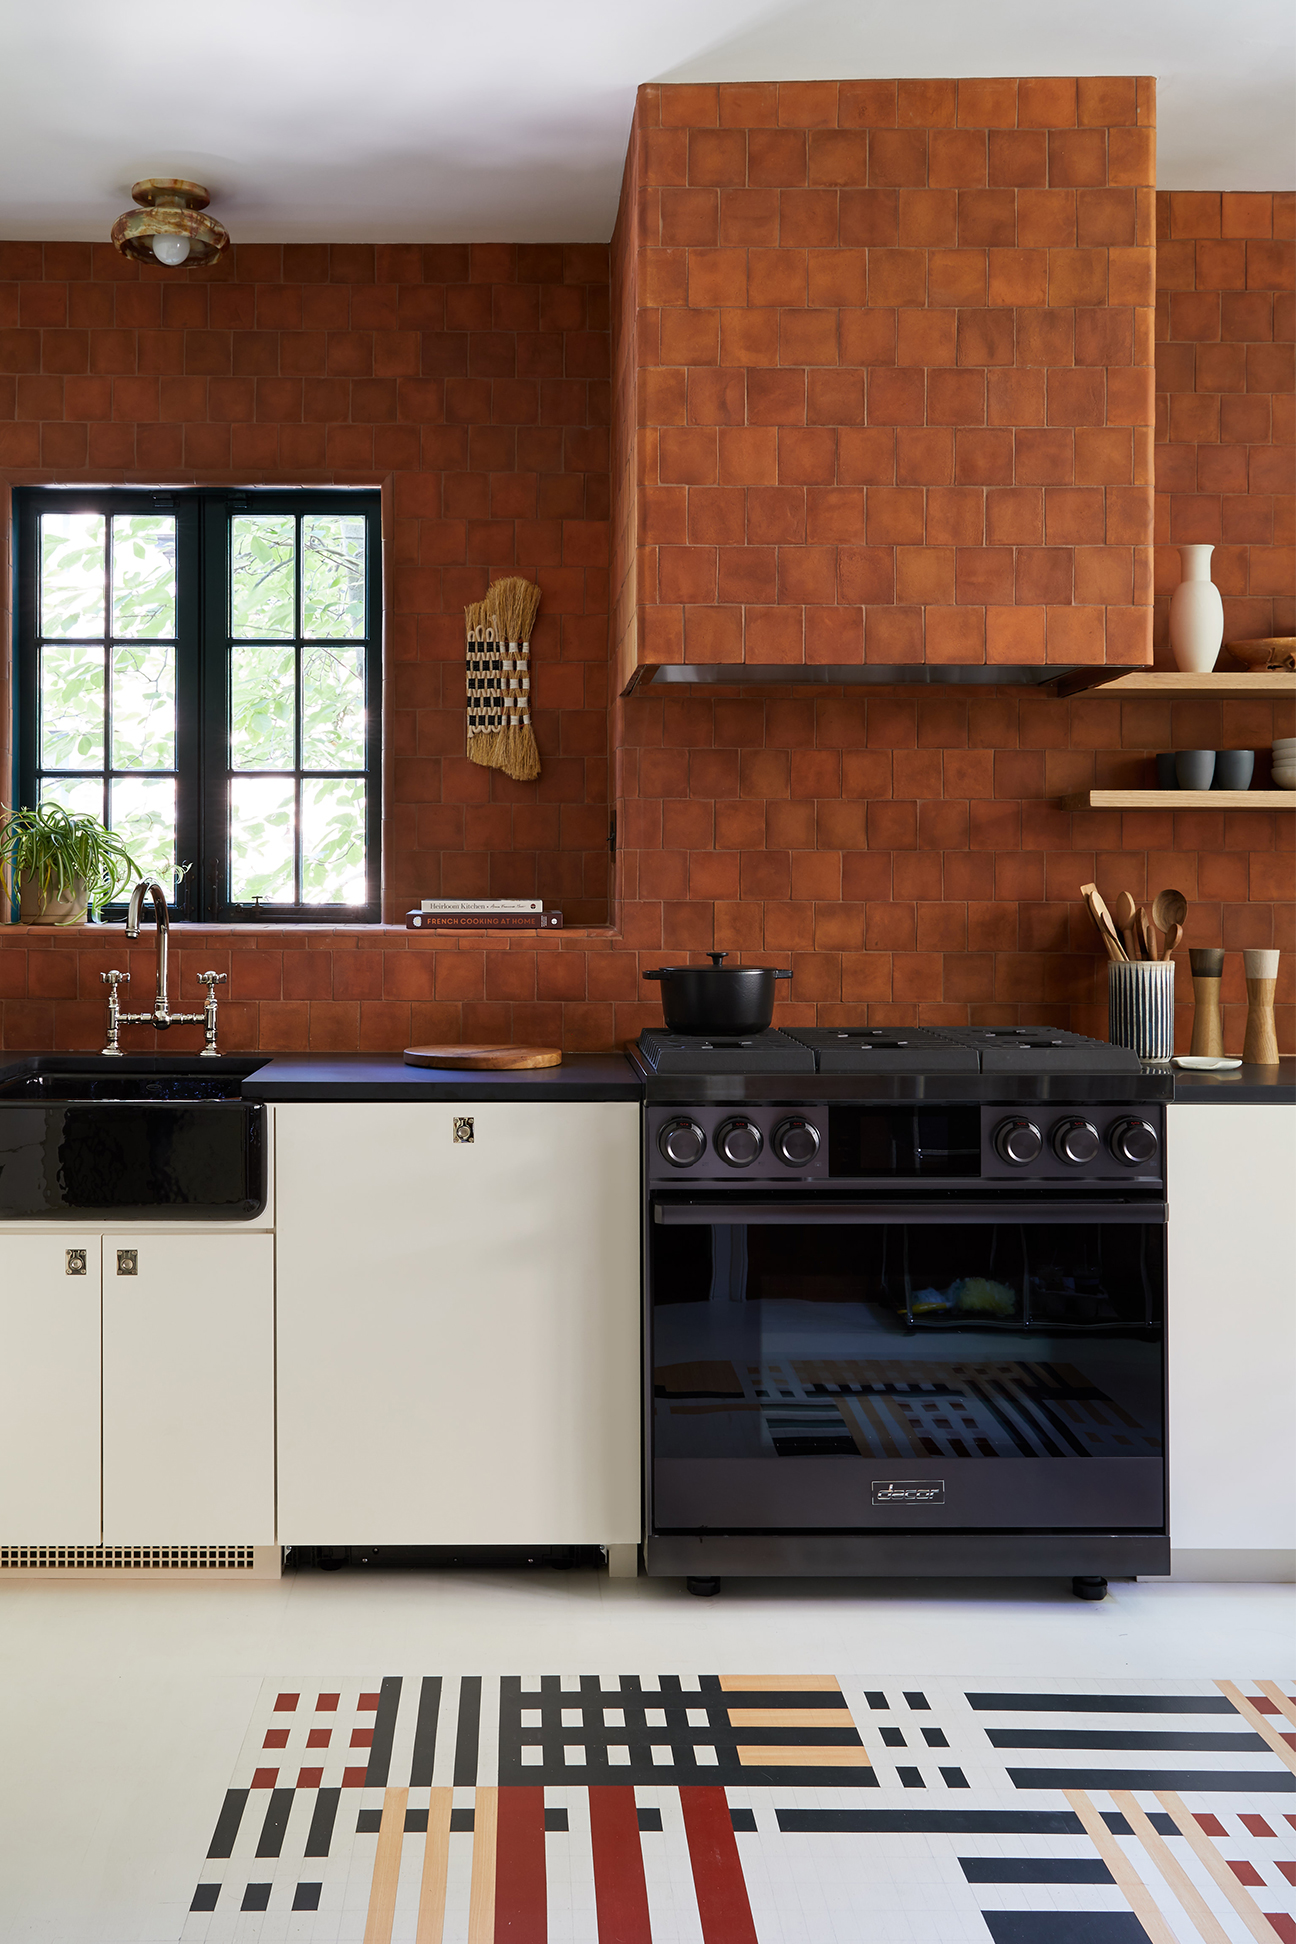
pixel 756 1809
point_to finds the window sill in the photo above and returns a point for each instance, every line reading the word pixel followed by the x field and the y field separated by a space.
pixel 262 933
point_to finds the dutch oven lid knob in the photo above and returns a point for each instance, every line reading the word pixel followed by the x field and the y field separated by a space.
pixel 717 958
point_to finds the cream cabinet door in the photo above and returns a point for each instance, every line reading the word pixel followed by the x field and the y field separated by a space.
pixel 188 1378
pixel 49 1413
pixel 459 1323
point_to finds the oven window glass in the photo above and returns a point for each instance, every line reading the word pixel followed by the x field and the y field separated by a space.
pixel 798 1367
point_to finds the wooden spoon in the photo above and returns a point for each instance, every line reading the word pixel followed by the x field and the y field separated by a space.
pixel 1174 938
pixel 1103 921
pixel 1147 938
pixel 1169 908
pixel 1127 919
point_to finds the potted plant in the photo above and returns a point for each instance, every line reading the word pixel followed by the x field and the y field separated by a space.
pixel 61 864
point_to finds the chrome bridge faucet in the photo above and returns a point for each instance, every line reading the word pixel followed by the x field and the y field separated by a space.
pixel 161 1015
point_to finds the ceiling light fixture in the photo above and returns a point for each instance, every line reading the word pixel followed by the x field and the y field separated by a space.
pixel 169 226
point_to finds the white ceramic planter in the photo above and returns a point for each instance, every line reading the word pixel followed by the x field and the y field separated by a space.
pixel 53 910
pixel 1196 614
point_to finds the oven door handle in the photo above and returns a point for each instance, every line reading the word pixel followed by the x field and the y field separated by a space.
pixel 871 1214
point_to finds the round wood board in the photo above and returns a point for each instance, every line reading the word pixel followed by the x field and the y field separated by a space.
pixel 483 1057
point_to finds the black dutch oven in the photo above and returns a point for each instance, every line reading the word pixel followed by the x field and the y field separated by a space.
pixel 717 998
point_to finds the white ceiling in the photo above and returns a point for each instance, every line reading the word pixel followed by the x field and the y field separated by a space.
pixel 423 121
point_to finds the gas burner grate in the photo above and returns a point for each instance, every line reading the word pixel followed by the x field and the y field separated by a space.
pixel 768 1052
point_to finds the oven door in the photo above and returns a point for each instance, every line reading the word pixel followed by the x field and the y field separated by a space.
pixel 943 1363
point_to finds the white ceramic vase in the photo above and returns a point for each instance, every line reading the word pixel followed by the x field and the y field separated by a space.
pixel 1196 614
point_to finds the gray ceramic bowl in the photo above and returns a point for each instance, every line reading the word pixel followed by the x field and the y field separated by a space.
pixel 1233 769
pixel 1195 768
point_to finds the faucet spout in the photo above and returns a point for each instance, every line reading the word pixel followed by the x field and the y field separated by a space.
pixel 148 888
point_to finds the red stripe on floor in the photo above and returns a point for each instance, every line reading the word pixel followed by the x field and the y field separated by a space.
pixel 717 1872
pixel 619 1891
pixel 521 1913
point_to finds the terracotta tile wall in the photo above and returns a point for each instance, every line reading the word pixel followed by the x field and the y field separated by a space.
pixel 472 383
pixel 1226 429
pixel 904 854
pixel 895 355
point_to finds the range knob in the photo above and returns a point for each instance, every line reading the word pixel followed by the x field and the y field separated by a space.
pixel 796 1142
pixel 1133 1142
pixel 738 1141
pixel 1017 1141
pixel 1075 1141
pixel 682 1142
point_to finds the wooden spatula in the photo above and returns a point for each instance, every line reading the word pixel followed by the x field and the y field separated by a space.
pixel 1102 922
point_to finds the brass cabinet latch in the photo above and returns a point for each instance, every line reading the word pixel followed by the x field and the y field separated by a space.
pixel 128 1262
pixel 76 1262
pixel 463 1129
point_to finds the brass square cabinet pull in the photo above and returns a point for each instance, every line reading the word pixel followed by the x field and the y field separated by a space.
pixel 76 1262
pixel 462 1133
pixel 128 1262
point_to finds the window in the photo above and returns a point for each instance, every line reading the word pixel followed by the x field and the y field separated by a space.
pixel 202 671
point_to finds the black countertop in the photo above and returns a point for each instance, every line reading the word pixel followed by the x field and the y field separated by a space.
pixel 384 1076
pixel 610 1076
pixel 1245 1086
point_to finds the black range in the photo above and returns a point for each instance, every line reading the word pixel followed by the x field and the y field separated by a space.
pixel 905 1304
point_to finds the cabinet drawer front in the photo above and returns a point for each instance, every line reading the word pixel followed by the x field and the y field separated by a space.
pixel 49 1352
pixel 459 1323
pixel 188 1361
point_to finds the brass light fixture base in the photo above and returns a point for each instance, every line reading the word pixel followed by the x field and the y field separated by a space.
pixel 170 206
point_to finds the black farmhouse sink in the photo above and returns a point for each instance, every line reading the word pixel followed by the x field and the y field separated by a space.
pixel 145 1138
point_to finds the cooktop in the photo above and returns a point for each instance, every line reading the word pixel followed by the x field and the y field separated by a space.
pixel 862 1050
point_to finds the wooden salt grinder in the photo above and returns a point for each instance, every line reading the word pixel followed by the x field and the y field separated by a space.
pixel 1261 1045
pixel 1208 1033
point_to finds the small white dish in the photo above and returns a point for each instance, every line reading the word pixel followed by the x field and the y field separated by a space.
pixel 1204 1063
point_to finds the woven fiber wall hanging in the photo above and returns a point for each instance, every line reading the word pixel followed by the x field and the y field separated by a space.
pixel 499 628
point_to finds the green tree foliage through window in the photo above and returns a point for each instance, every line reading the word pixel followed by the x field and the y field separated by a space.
pixel 234 630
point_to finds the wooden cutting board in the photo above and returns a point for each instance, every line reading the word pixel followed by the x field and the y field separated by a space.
pixel 483 1058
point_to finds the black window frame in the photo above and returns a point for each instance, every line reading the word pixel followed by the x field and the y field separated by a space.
pixel 203 643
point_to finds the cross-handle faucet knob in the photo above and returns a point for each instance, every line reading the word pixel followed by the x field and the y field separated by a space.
pixel 114 979
pixel 211 980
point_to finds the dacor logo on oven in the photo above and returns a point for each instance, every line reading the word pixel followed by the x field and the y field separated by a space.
pixel 908 1491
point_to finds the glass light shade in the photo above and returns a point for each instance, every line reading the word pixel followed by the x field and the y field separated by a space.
pixel 171 250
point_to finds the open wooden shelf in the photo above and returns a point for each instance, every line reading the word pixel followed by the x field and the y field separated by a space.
pixel 1240 686
pixel 1181 800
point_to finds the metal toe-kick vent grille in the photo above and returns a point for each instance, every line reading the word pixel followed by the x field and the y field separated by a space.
pixel 128 1559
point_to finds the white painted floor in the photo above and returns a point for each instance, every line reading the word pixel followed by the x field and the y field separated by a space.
pixel 123 1707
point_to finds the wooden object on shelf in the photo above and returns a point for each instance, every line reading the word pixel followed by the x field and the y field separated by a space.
pixel 1207 966
pixel 1260 1048
pixel 486 1059
pixel 1180 800
pixel 1225 685
pixel 1275 651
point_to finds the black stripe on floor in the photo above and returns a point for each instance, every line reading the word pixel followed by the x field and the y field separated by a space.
pixel 384 1730
pixel 270 1841
pixel 227 1823
pixel 1209 1781
pixel 1035 1869
pixel 1064 1927
pixel 469 1731
pixel 320 1834
pixel 929 1822
pixel 425 1732
pixel 1200 1744
pixel 1100 1704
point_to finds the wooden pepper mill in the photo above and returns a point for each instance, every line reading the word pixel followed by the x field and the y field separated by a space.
pixel 1208 1032
pixel 1260 1047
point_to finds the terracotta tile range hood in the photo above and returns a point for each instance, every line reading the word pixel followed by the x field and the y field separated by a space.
pixel 883 382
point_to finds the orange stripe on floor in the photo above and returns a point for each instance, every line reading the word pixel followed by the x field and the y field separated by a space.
pixel 386 1873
